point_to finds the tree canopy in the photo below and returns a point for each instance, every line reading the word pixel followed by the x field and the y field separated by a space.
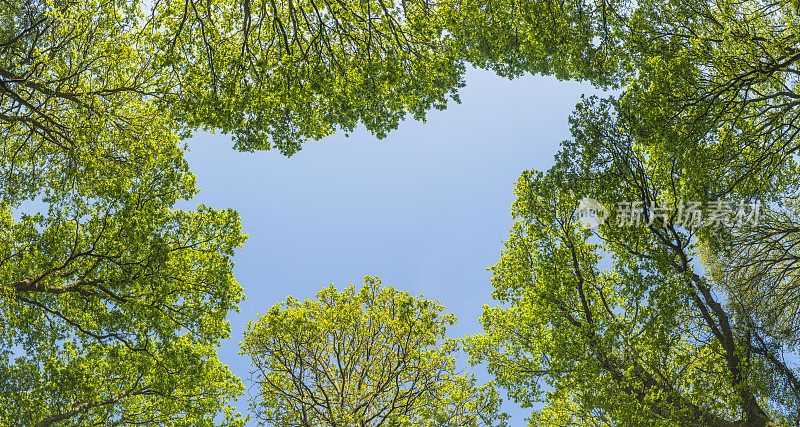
pixel 114 302
pixel 362 357
pixel 659 321
pixel 272 74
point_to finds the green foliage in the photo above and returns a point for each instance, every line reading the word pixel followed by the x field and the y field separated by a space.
pixel 274 73
pixel 112 302
pixel 659 324
pixel 568 39
pixel 624 346
pixel 362 357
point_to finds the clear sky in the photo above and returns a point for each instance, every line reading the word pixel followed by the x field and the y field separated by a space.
pixel 427 208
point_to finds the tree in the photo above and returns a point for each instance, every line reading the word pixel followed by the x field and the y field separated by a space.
pixel 112 302
pixel 655 322
pixel 367 357
pixel 650 340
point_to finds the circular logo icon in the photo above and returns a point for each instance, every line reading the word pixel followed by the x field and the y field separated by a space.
pixel 591 213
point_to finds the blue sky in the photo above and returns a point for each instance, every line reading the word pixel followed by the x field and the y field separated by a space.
pixel 426 208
